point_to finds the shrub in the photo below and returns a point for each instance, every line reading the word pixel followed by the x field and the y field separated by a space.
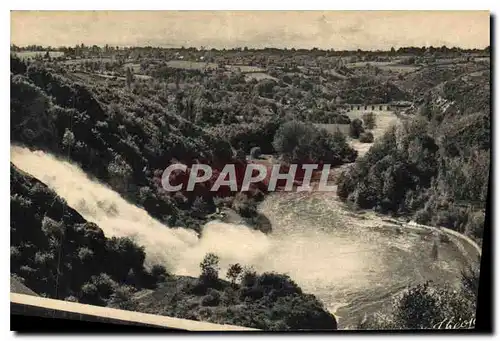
pixel 71 299
pixel 356 128
pixel 212 298
pixel 159 272
pixel 366 137
pixel 249 277
pixel 122 298
pixel 68 139
pixel 50 227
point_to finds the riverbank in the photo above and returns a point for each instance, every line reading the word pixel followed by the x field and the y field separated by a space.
pixel 354 262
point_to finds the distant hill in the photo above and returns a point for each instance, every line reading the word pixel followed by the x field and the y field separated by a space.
pixel 418 82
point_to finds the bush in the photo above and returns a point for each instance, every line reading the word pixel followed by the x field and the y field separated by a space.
pixel 104 284
pixel 122 298
pixel 52 228
pixel 277 285
pixel 212 298
pixel 239 154
pixel 249 277
pixel 159 272
pixel 366 137
pixel 356 128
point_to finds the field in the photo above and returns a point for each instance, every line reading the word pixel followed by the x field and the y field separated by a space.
pixel 33 54
pixel 84 60
pixel 189 65
pixel 258 76
pixel 399 68
pixel 336 74
pixel 383 120
pixel 96 77
pixel 393 66
pixel 363 64
pixel 332 128
pixel 245 68
pixel 136 67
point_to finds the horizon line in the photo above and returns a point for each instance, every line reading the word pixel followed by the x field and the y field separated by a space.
pixel 240 47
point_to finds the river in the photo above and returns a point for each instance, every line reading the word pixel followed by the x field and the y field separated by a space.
pixel 355 263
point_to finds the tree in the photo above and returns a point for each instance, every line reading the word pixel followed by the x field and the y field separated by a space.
pixel 50 227
pixel 366 137
pixel 210 268
pixel 129 77
pixel 470 281
pixel 234 272
pixel 201 207
pixel 356 128
pixel 369 120
pixel 434 252
pixel 119 171
pixel 68 139
pixel 303 142
pixel 293 138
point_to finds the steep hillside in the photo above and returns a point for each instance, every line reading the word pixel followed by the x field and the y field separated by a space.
pixel 419 82
pixel 267 301
pixel 57 253
pixel 435 167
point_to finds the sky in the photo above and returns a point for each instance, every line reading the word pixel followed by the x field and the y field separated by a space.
pixel 369 30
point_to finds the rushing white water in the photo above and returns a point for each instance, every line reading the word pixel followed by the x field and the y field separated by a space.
pixel 178 249
pixel 350 267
